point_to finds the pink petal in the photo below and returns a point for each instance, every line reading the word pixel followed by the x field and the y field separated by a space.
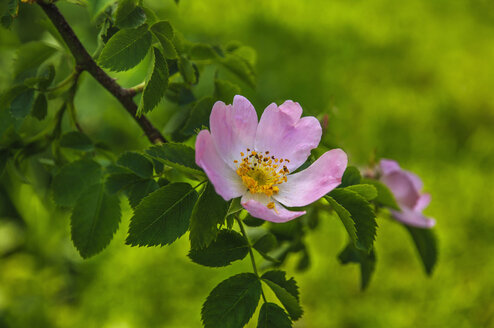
pixel 317 180
pixel 389 166
pixel 285 135
pixel 225 180
pixel 402 188
pixel 256 205
pixel 413 218
pixel 417 183
pixel 233 128
pixel 422 202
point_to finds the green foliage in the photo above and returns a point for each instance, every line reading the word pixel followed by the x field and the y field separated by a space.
pixel 76 140
pixel 286 291
pixel 199 116
pixel 252 221
pixel 367 261
pixel 240 67
pixel 176 155
pixel 126 49
pixel 232 303
pixel 384 195
pixel 140 189
pixel 272 316
pixel 265 242
pixel 137 164
pixel 225 90
pixel 368 191
pixel 40 107
pixel 426 244
pixel 129 14
pixel 29 57
pixel 162 216
pixel 156 84
pixel 94 221
pixel 351 176
pixel 163 31
pixel 357 216
pixel 21 105
pixel 73 179
pixel 209 212
pixel 201 51
pixel 228 247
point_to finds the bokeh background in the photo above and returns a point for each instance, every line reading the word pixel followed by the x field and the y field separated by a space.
pixel 408 80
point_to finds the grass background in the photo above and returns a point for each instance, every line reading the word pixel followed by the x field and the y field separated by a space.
pixel 411 81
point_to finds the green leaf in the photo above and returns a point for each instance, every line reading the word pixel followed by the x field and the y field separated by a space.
pixel 129 14
pixel 225 90
pixel 265 242
pixel 21 105
pixel 273 316
pixel 384 195
pixel 369 192
pixel 354 207
pixel 137 163
pixel 96 7
pixel 73 179
pixel 366 260
pixel 351 176
pixel 232 303
pixel 200 51
pixel 46 76
pixel 228 247
pixel 163 31
pixel 95 220
pixel 4 156
pixel 29 57
pixel 140 189
pixel 285 290
pixel 76 140
pixel 40 107
pixel 13 7
pixel 426 244
pixel 163 27
pixel 187 70
pixel 240 67
pixel 176 155
pixel 156 85
pixel 121 181
pixel 6 21
pixel 252 221
pixel 209 212
pixel 126 49
pixel 162 216
pixel 199 116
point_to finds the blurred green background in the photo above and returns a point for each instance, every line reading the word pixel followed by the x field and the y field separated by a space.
pixel 412 81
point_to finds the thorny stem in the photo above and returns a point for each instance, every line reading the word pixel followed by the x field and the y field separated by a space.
pixel 84 60
pixel 252 259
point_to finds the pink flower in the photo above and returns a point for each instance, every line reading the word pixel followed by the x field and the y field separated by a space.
pixel 253 160
pixel 406 188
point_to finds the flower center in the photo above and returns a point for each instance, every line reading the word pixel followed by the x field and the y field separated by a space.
pixel 260 173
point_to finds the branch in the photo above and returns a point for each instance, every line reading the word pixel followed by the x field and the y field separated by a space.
pixel 84 60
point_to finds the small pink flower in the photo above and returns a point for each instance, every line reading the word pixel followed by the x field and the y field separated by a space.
pixel 244 158
pixel 406 188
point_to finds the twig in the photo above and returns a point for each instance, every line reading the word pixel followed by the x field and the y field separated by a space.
pixel 86 62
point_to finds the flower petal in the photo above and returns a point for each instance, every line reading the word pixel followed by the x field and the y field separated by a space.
pixel 389 166
pixel 402 188
pixel 422 202
pixel 233 128
pixel 256 205
pixel 284 134
pixel 317 180
pixel 413 218
pixel 225 180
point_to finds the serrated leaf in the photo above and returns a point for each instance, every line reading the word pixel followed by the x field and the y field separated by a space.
pixel 96 7
pixel 279 277
pixel 76 140
pixel 367 261
pixel 137 163
pixel 273 316
pixel 13 7
pixel 156 85
pixel 121 182
pixel 232 303
pixel 209 212
pixel 384 196
pixel 426 245
pixel 163 27
pixel 228 247
pixel 46 76
pixel 140 189
pixel 29 57
pixel 187 70
pixel 176 155
pixel 368 191
pixel 22 104
pixel 95 220
pixel 265 242
pixel 199 116
pixel 73 179
pixel 252 221
pixel 353 208
pixel 351 176
pixel 126 49
pixel 162 216
pixel 240 67
pixel 129 14
pixel 163 31
pixel 40 107
pixel 284 293
pixel 225 90
pixel 202 51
